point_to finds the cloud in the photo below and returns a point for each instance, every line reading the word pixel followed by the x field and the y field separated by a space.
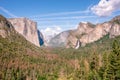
pixel 7 12
pixel 50 32
pixel 63 18
pixel 106 7
pixel 61 13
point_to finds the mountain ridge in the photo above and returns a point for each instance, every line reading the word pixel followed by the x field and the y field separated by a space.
pixel 88 32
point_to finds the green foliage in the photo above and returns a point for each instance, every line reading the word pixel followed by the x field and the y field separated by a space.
pixel 94 62
pixel 41 78
pixel 93 75
pixel 114 62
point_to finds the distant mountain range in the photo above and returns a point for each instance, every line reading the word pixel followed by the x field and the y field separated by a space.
pixel 87 33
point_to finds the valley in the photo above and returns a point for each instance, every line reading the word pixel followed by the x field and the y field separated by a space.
pixel 22 60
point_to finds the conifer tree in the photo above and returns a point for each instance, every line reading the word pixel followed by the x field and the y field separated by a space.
pixel 94 65
pixel 113 69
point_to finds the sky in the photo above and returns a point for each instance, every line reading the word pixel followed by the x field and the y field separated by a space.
pixel 55 16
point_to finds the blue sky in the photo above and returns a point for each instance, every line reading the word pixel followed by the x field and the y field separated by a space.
pixel 54 16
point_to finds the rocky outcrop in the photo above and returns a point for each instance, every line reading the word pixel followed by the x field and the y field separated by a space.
pixel 88 33
pixel 6 29
pixel 27 28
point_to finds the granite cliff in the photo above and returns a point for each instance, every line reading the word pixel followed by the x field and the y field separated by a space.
pixel 28 29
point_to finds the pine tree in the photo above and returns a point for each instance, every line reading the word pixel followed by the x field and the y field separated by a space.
pixel 103 70
pixel 94 66
pixel 113 69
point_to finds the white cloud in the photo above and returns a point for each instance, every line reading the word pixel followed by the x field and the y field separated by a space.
pixel 62 13
pixel 7 12
pixel 62 18
pixel 106 7
pixel 50 32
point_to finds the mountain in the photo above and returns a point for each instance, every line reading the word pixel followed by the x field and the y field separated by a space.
pixel 59 40
pixel 88 33
pixel 28 29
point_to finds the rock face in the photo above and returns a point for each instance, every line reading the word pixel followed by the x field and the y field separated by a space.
pixel 88 33
pixel 98 32
pixel 6 29
pixel 115 27
pixel 40 37
pixel 111 27
pixel 83 29
pixel 27 28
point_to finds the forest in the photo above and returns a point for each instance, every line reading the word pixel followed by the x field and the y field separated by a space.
pixel 21 60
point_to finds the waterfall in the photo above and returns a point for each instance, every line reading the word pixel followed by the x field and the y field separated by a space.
pixel 77 44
